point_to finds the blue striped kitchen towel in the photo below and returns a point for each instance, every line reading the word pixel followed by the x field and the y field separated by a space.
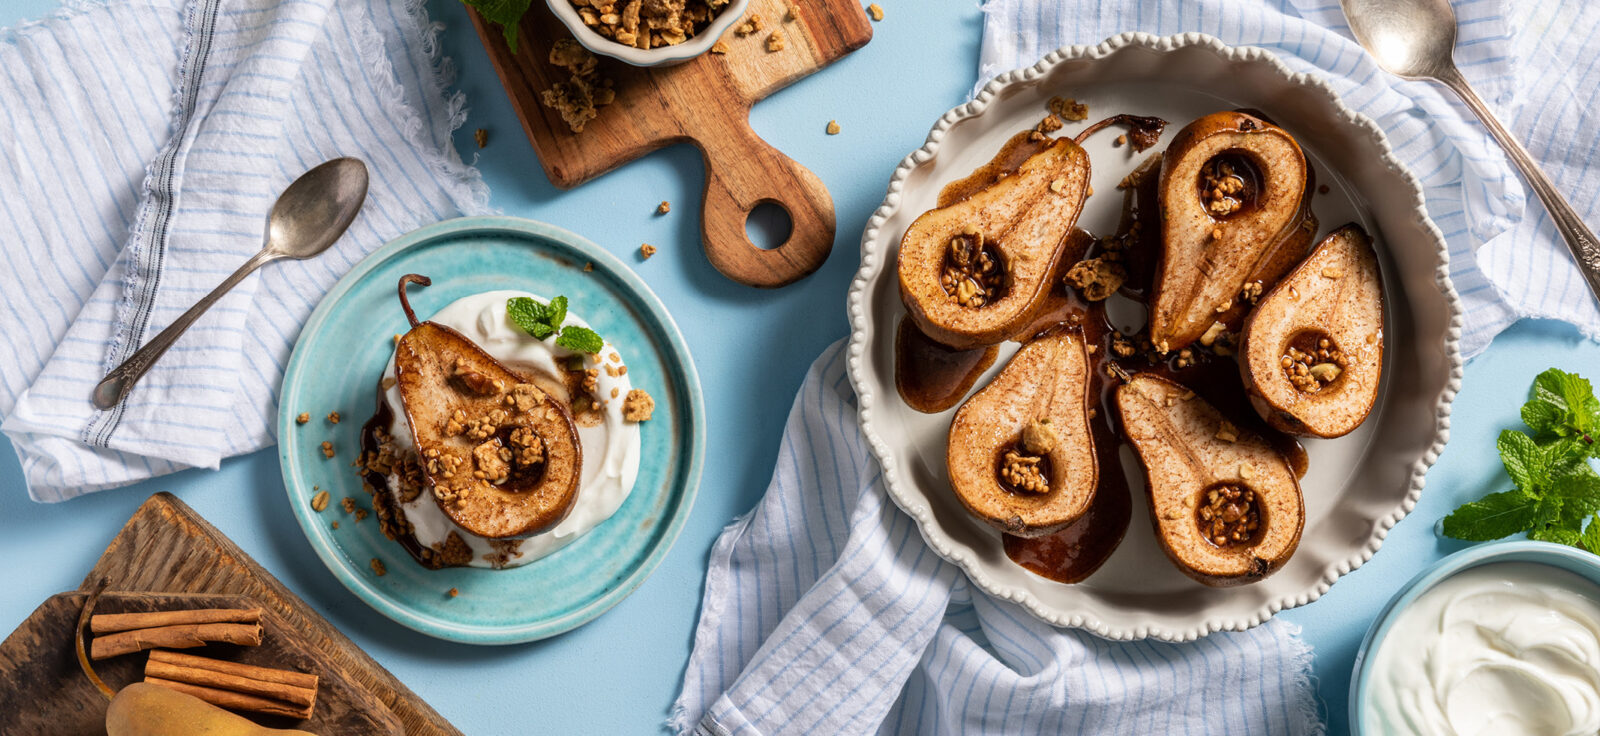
pixel 826 613
pixel 141 144
pixel 1536 62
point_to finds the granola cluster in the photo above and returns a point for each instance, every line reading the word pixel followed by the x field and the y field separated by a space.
pixel 1312 370
pixel 579 99
pixel 647 24
pixel 1228 515
pixel 973 274
pixel 1223 188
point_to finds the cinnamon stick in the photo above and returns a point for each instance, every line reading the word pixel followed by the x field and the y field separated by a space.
pixel 174 637
pixel 239 669
pixel 110 623
pixel 234 701
pixel 223 681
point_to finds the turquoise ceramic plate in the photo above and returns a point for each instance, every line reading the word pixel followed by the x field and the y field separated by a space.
pixel 336 365
pixel 1572 560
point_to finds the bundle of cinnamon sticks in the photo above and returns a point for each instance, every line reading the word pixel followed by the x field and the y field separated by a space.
pixel 222 683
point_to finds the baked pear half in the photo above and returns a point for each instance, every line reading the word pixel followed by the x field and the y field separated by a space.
pixel 1313 348
pixel 1020 454
pixel 1225 504
pixel 500 455
pixel 971 272
pixel 1230 194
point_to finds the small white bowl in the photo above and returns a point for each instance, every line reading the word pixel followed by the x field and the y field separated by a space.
pixel 661 56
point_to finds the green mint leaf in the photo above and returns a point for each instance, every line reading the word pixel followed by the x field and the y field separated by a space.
pixel 1565 405
pixel 1493 516
pixel 580 339
pixel 557 313
pixel 1524 460
pixel 1558 536
pixel 507 13
pixel 1577 488
pixel 530 316
pixel 1591 536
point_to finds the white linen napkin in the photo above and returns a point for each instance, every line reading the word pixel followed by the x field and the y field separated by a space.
pixel 141 144
pixel 826 613
pixel 1536 62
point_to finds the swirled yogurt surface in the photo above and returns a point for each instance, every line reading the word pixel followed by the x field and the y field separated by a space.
pixel 1505 649
pixel 610 447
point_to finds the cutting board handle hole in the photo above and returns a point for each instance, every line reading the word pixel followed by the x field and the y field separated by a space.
pixel 768 225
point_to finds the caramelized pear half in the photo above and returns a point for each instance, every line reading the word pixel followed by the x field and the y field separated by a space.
pixel 1225 503
pixel 500 455
pixel 971 273
pixel 1230 194
pixel 1020 454
pixel 1313 347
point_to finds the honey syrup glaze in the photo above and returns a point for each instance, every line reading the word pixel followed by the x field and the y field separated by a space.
pixel 933 378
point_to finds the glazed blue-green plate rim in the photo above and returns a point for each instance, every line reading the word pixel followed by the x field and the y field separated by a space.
pixel 579 249
pixel 1559 556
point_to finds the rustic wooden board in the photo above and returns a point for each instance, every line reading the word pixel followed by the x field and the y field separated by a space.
pixel 167 547
pixel 46 692
pixel 705 101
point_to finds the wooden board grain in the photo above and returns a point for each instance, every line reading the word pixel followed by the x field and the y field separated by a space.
pixel 167 547
pixel 46 692
pixel 705 101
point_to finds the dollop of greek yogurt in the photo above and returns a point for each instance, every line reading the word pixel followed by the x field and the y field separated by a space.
pixel 611 447
pixel 1504 649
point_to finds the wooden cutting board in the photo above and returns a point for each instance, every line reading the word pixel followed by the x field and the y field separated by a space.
pixel 705 101
pixel 167 547
pixel 46 691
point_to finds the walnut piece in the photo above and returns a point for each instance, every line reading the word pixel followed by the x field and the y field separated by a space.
pixel 973 274
pixel 1069 109
pixel 1228 516
pixel 1022 472
pixel 833 127
pixel 1097 278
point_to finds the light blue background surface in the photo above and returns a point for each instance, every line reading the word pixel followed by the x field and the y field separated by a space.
pixel 620 673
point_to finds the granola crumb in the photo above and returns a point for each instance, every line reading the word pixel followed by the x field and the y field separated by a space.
pixel 453 592
pixel 333 417
pixel 327 448
pixel 587 267
pixel 753 24
pixel 876 11
pixel 645 251
pixel 361 514
pixel 1121 140
pixel 348 504
pixel 304 417
pixel 638 406
pixel 663 208
pixel 719 48
pixel 775 42
pixel 1049 124
pixel 335 524
pixel 319 502
pixel 378 568
pixel 833 127
pixel 1069 109
pixel 481 137
pixel 791 13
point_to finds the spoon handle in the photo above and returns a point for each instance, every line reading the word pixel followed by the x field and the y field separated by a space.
pixel 1580 239
pixel 121 379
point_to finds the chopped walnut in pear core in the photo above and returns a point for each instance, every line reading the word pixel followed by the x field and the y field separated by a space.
pixel 647 24
pixel 973 274
pixel 1312 370
pixel 1223 188
pixel 579 99
pixel 1021 472
pixel 1069 109
pixel 1097 278
pixel 638 406
pixel 1228 515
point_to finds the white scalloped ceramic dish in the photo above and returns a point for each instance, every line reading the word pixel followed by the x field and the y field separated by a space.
pixel 1358 486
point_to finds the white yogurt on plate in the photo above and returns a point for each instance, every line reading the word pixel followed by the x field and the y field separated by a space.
pixel 1504 649
pixel 610 448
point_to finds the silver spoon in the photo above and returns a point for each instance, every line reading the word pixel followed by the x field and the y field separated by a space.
pixel 307 218
pixel 1415 39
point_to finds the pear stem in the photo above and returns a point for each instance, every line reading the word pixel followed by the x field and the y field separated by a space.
pixel 83 623
pixel 1143 132
pixel 411 278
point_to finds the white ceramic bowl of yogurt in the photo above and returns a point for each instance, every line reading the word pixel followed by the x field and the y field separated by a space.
pixel 1500 639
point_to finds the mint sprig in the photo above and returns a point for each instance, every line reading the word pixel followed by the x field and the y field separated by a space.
pixel 544 320
pixel 1556 491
